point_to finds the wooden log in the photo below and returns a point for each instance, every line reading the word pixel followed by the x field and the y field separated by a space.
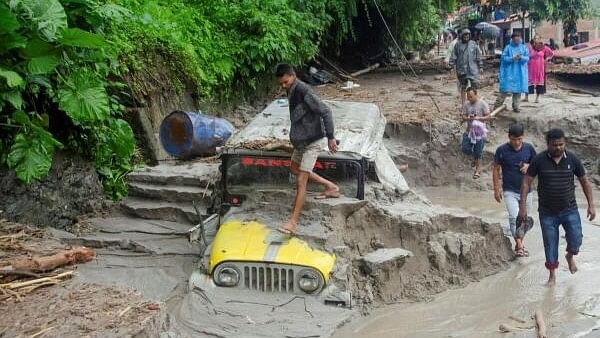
pixel 540 324
pixel 366 70
pixel 51 262
pixel 498 110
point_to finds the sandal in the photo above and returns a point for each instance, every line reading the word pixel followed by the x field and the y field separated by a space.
pixel 476 175
pixel 520 253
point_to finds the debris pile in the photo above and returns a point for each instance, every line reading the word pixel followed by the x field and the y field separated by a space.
pixel 25 268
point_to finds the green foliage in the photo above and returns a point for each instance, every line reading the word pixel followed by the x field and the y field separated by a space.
pixel 566 11
pixel 49 16
pixel 114 149
pixel 51 72
pixel 83 97
pixel 31 153
pixel 217 44
pixel 414 23
pixel 221 45
pixel 61 62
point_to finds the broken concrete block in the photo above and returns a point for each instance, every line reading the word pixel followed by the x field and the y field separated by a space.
pixel 384 258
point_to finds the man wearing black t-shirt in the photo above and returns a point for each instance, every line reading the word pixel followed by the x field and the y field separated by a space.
pixel 556 168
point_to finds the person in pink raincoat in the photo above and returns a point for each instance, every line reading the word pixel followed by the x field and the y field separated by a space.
pixel 539 53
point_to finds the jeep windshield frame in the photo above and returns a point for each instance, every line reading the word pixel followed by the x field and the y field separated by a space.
pixel 266 170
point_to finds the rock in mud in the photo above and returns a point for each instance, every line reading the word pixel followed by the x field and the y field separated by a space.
pixel 383 259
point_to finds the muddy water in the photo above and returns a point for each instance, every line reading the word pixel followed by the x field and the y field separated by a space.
pixel 572 307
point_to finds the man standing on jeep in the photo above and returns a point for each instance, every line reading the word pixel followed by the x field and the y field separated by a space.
pixel 311 131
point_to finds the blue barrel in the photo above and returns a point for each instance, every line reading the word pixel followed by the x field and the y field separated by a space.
pixel 189 134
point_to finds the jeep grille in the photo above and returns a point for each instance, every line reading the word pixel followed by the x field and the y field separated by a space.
pixel 268 277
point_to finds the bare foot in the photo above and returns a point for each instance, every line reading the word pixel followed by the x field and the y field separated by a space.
pixel 551 279
pixel 289 228
pixel 571 262
pixel 331 192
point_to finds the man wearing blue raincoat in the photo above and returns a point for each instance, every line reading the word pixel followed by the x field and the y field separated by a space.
pixel 513 72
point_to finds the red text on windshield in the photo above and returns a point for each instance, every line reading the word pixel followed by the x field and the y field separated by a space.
pixel 272 162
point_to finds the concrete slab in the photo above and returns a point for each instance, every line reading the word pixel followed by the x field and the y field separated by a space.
pixel 155 209
pixel 199 174
pixel 168 192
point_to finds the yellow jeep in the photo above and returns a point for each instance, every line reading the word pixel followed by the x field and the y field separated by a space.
pixel 250 255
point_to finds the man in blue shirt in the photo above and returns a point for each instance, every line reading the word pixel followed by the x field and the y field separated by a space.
pixel 510 165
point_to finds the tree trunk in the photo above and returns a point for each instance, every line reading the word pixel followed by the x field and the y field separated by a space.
pixel 48 263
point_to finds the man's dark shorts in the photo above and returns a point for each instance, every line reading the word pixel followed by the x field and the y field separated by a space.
pixel 465 82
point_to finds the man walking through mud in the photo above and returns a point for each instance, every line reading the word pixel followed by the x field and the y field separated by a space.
pixel 476 113
pixel 466 60
pixel 311 131
pixel 510 165
pixel 555 169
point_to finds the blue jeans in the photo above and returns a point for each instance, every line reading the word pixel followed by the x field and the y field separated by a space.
pixel 550 223
pixel 468 148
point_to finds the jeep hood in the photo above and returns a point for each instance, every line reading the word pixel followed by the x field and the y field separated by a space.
pixel 254 242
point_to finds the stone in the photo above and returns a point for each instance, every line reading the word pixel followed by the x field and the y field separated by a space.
pixel 384 258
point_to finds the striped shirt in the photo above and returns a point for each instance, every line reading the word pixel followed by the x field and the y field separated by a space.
pixel 556 182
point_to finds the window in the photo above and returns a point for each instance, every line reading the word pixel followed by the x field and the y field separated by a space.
pixel 584 36
pixel 248 173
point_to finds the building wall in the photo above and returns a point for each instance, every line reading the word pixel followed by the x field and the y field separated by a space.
pixel 549 30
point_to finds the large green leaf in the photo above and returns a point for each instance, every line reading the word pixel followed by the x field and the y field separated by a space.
pixel 83 97
pixel 31 154
pixel 13 79
pixel 42 64
pixel 47 141
pixel 48 15
pixel 122 140
pixel 14 97
pixel 8 21
pixel 76 37
pixel 37 47
pixel 12 40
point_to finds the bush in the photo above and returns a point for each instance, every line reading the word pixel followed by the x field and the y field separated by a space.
pixel 55 89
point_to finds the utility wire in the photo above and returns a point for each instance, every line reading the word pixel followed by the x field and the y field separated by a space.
pixel 404 56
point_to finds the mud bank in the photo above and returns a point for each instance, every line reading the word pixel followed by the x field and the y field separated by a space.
pixel 432 150
pixel 571 308
pixel 71 190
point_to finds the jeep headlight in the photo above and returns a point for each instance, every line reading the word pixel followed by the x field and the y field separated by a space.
pixel 309 281
pixel 227 275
